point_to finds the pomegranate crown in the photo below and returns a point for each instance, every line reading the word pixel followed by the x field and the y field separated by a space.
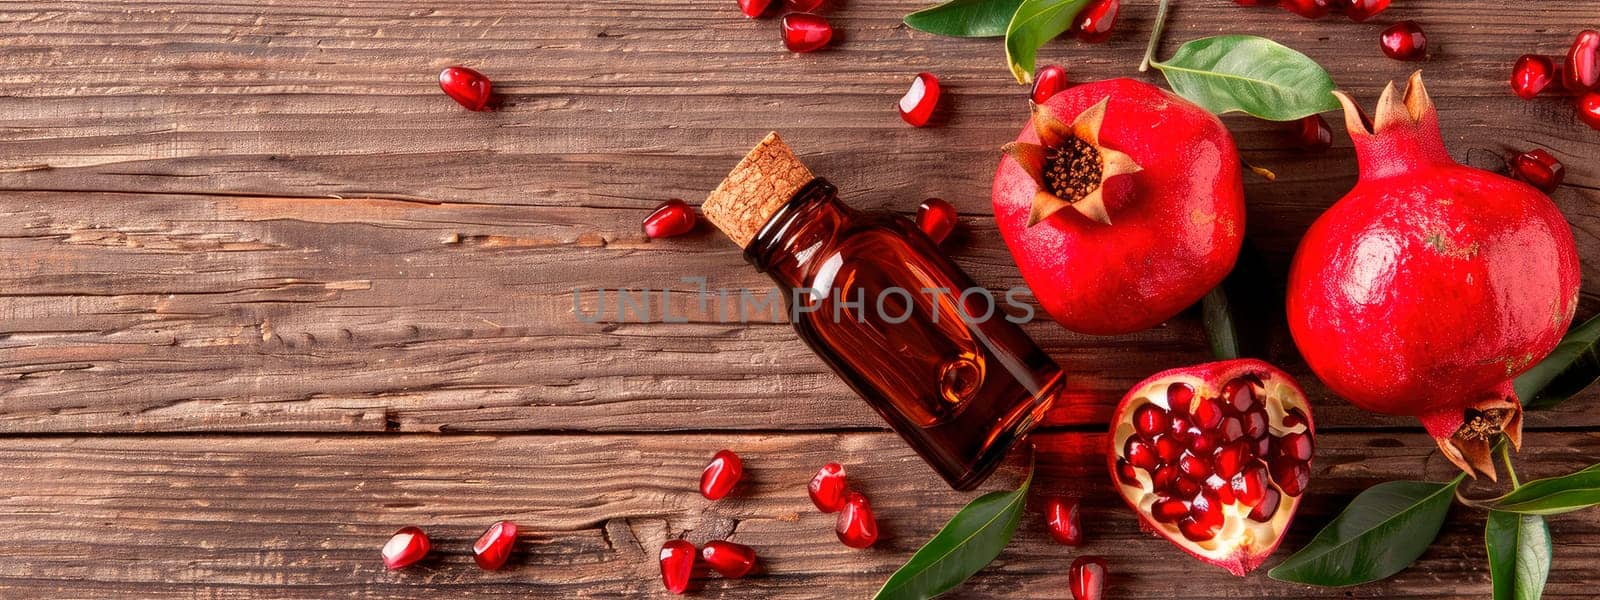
pixel 1404 133
pixel 1069 163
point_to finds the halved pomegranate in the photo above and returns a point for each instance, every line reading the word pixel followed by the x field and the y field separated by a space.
pixel 1215 457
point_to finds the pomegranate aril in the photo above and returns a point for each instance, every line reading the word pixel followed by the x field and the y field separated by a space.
pixel 1310 9
pixel 1169 510
pixel 1179 395
pixel 677 565
pixel 1255 424
pixel 1232 429
pixel 721 474
pixel 1232 458
pixel 1267 507
pixel 1165 479
pixel 754 8
pixel 1240 394
pixel 916 107
pixel 1540 168
pixel 673 217
pixel 405 548
pixel 1096 21
pixel 1296 446
pixel 1208 413
pixel 1531 74
pixel 467 87
pixel 936 218
pixel 1220 487
pixel 805 32
pixel 1249 485
pixel 1194 467
pixel 855 526
pixel 1048 81
pixel 827 488
pixel 1291 475
pixel 1180 426
pixel 1206 509
pixel 1061 514
pixel 1312 134
pixel 1149 420
pixel 1265 445
pixel 1168 448
pixel 1194 531
pixel 1087 578
pixel 1361 10
pixel 493 548
pixel 1204 443
pixel 1141 454
pixel 1581 71
pixel 1589 109
pixel 728 559
pixel 1293 418
pixel 805 6
pixel 1185 488
pixel 1127 473
pixel 1404 41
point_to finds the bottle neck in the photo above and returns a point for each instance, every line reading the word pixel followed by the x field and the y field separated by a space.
pixel 796 233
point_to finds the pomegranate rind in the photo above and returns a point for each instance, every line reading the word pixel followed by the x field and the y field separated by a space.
pixel 1242 544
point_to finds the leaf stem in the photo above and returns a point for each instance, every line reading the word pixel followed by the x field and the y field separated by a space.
pixel 1155 36
pixel 1505 456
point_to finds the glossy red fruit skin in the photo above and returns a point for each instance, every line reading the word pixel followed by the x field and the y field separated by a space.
pixel 1361 10
pixel 671 218
pixel 405 548
pixel 804 6
pixel 856 526
pixel 493 548
pixel 1531 74
pixel 1539 168
pixel 1581 71
pixel 721 474
pixel 754 8
pixel 1310 9
pixel 1097 20
pixel 1588 106
pixel 1154 259
pixel 805 32
pixel 937 218
pixel 1087 578
pixel 1460 279
pixel 918 103
pixel 467 87
pixel 1404 41
pixel 828 488
pixel 1312 134
pixel 728 559
pixel 1048 81
pixel 1061 514
pixel 677 565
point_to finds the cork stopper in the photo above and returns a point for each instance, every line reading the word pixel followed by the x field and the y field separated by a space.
pixel 760 185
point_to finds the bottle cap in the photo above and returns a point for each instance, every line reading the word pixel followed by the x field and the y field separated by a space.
pixel 767 178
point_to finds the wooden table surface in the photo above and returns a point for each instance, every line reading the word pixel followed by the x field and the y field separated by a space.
pixel 266 295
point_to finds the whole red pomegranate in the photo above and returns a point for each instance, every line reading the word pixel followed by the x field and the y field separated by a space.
pixel 1215 458
pixel 1156 205
pixel 1431 285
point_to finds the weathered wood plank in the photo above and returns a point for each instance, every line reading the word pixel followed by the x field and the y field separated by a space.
pixel 303 517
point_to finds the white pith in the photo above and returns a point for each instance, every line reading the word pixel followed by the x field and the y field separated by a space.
pixel 1238 534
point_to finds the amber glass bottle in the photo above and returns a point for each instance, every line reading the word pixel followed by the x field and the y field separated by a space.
pixel 883 306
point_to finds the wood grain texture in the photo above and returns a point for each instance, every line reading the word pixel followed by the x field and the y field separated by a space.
pixel 249 255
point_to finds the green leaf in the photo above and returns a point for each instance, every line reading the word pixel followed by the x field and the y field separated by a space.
pixel 1519 554
pixel 964 546
pixel 1218 321
pixel 1034 23
pixel 1249 74
pixel 1382 532
pixel 1572 366
pixel 965 18
pixel 1555 495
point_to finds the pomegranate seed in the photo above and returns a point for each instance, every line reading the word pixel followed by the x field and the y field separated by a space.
pixel 1241 395
pixel 754 8
pixel 1296 446
pixel 1168 448
pixel 1293 418
pixel 1208 414
pixel 1589 109
pixel 1203 444
pixel 1194 466
pixel 1249 485
pixel 805 6
pixel 673 217
pixel 1232 458
pixel 1127 473
pixel 1206 509
pixel 827 488
pixel 405 548
pixel 1166 479
pixel 1061 514
pixel 1404 41
pixel 1185 487
pixel 1582 69
pixel 493 548
pixel 1096 20
pixel 1194 531
pixel 1539 168
pixel 1532 74
pixel 1291 475
pixel 1232 429
pixel 1048 81
pixel 1310 9
pixel 1255 424
pixel 1087 577
pixel 1179 395
pixel 1269 506
pixel 467 87
pixel 677 565
pixel 1169 510
pixel 731 560
pixel 1141 454
pixel 805 32
pixel 936 218
pixel 1181 426
pixel 856 527
pixel 1220 487
pixel 1150 420
pixel 1312 134
pixel 916 107
pixel 1361 10
pixel 721 474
